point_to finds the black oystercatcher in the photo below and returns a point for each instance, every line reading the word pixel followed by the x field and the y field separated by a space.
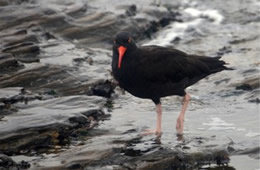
pixel 152 72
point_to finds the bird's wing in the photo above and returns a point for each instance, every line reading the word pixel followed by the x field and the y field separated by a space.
pixel 159 64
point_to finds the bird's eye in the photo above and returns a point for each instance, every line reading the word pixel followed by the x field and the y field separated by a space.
pixel 129 40
pixel 114 41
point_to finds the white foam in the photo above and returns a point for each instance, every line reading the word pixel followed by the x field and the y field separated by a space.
pixel 178 29
pixel 210 13
pixel 216 121
pixel 252 134
pixel 218 124
pixel 173 31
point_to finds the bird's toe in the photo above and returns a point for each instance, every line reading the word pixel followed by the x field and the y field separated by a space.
pixel 151 132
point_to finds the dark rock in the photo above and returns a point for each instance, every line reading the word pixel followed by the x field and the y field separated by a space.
pixel 73 166
pixel 176 40
pixel 257 101
pixel 224 50
pixel 132 152
pixel 164 21
pixel 225 80
pixel 5 56
pixel 6 162
pixel 8 62
pixel 80 61
pixel 51 77
pixel 22 97
pixel 96 114
pixel 41 141
pixel 48 36
pixel 130 131
pixel 24 52
pixel 20 32
pixel 243 40
pixel 78 11
pixel 2 106
pixel 25 47
pixel 80 120
pixel 24 165
pixel 28 58
pixel 171 17
pixel 22 49
pixel 250 71
pixel 23 39
pixel 104 89
pixel 131 11
pixel 244 87
pixel 248 84
pixel 3 2
pixel 163 159
pixel 27 79
pixel 152 28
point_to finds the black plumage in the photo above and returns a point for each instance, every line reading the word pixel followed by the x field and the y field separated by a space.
pixel 154 72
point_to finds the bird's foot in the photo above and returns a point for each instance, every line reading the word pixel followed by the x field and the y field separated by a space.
pixel 151 132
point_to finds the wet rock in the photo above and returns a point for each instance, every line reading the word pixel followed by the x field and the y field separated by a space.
pixel 73 166
pixel 20 39
pixel 104 89
pixel 132 152
pixel 22 96
pixel 6 162
pixel 23 51
pixel 39 130
pixel 163 159
pixel 54 78
pixel 243 40
pixel 79 120
pixel 224 50
pixel 48 36
pixel 248 84
pixel 131 11
pixel 3 2
pixel 154 26
pixel 2 106
pixel 244 87
pixel 88 25
pixel 42 75
pixel 225 80
pixel 96 114
pixel 8 62
pixel 24 165
pixel 22 48
pixel 171 17
pixel 28 58
pixel 257 101
pixel 77 11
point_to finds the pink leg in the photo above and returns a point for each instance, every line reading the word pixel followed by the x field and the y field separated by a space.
pixel 158 129
pixel 180 120
pixel 159 119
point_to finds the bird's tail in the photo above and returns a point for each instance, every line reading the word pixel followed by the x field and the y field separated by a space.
pixel 219 65
pixel 215 64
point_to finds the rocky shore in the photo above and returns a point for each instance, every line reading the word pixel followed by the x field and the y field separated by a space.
pixel 59 104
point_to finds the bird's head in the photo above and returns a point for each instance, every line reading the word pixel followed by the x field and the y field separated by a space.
pixel 123 42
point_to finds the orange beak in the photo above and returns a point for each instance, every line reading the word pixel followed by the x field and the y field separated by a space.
pixel 121 51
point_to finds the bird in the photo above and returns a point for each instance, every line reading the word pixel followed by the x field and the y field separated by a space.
pixel 153 72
